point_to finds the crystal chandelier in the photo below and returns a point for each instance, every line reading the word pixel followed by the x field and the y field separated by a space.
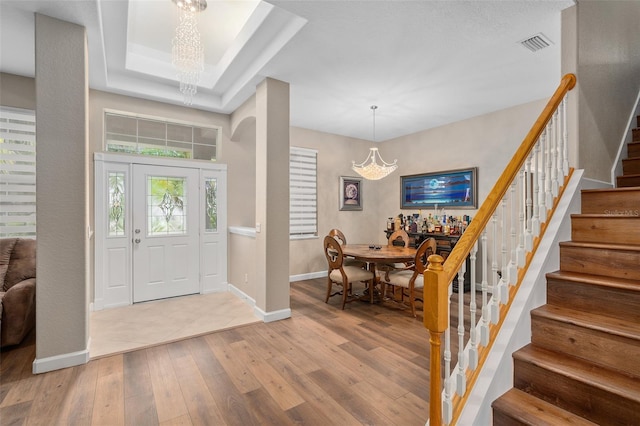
pixel 373 170
pixel 188 52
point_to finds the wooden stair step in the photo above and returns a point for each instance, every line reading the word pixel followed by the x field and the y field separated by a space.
pixel 633 149
pixel 631 166
pixel 587 292
pixel 601 339
pixel 636 134
pixel 628 181
pixel 607 228
pixel 594 258
pixel 593 392
pixel 516 407
pixel 611 201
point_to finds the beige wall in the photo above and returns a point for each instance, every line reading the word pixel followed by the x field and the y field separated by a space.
pixel 242 148
pixel 242 268
pixel 608 72
pixel 486 142
pixel 17 91
pixel 608 77
pixel 335 154
pixel 62 208
pixel 272 195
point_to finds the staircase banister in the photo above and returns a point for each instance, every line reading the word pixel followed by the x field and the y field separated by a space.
pixel 483 215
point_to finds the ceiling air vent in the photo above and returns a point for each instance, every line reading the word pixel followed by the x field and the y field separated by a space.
pixel 536 42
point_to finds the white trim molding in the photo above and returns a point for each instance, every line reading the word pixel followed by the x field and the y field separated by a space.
pixel 57 362
pixel 307 276
pixel 242 230
pixel 272 316
pixel 242 295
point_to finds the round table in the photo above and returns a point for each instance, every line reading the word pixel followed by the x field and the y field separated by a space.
pixel 383 254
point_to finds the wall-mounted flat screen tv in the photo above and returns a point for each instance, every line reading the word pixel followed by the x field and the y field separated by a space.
pixel 448 189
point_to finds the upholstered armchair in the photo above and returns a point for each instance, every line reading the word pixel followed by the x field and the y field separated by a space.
pixel 17 289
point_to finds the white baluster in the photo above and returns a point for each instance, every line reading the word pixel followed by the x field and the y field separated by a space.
pixel 542 208
pixel 553 152
pixel 565 140
pixel 503 290
pixel 484 327
pixel 535 219
pixel 549 177
pixel 447 404
pixel 560 147
pixel 473 338
pixel 528 204
pixel 461 380
pixel 555 186
pixel 495 308
pixel 512 271
pixel 522 229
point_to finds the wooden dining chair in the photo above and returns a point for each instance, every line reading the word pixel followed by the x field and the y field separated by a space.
pixel 341 274
pixel 339 236
pixel 411 278
pixel 397 238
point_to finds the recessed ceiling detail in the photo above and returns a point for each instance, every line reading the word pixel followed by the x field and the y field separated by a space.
pixel 536 42
pixel 430 63
pixel 239 38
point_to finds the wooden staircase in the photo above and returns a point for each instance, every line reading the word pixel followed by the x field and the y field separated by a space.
pixel 583 364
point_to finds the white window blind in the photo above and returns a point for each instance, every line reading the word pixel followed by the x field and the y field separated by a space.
pixel 17 172
pixel 303 192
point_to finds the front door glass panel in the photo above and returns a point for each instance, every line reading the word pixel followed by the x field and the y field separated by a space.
pixel 166 206
pixel 211 204
pixel 116 204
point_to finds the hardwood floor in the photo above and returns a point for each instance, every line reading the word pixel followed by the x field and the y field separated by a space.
pixel 367 364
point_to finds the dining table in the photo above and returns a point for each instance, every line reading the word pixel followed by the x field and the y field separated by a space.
pixel 374 255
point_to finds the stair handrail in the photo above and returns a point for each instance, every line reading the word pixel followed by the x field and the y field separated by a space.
pixel 439 274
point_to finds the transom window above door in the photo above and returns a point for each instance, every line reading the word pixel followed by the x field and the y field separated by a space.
pixel 134 134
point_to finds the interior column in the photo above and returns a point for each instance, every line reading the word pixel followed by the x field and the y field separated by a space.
pixel 62 318
pixel 272 200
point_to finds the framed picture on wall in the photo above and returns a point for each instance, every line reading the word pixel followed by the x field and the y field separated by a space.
pixel 448 189
pixel 350 193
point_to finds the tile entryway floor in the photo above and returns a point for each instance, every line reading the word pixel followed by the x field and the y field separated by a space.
pixel 148 324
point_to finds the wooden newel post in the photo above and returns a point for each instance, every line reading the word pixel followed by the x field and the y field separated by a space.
pixel 436 314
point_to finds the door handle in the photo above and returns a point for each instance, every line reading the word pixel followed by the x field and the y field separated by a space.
pixel 137 240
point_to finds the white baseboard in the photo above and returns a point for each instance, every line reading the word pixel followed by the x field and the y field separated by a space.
pixel 264 316
pixel 221 288
pixel 272 316
pixel 98 304
pixel 58 362
pixel 242 295
pixel 309 276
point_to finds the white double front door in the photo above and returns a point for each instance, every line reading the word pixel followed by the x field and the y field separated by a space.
pixel 160 231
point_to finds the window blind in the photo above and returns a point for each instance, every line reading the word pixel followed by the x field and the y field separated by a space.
pixel 17 172
pixel 303 192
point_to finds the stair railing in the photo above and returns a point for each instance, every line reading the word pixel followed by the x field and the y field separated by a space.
pixel 507 228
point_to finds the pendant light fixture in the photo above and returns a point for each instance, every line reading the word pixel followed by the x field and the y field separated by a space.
pixel 369 168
